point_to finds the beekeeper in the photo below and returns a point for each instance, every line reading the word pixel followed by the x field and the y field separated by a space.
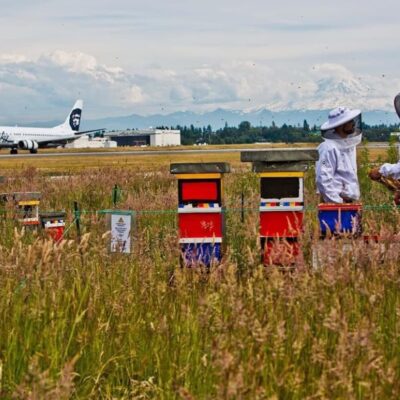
pixel 336 169
pixel 389 174
pixel 388 170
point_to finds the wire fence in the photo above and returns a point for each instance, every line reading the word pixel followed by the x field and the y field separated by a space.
pixel 15 214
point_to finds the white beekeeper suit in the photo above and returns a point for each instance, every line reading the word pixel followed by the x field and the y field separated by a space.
pixel 336 169
pixel 390 170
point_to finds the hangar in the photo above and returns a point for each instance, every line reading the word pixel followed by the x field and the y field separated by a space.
pixel 146 137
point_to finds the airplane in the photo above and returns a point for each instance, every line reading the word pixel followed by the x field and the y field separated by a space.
pixel 26 138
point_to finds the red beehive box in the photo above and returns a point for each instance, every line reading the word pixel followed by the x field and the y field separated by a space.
pixel 54 224
pixel 56 233
pixel 281 223
pixel 200 225
pixel 280 252
pixel 196 191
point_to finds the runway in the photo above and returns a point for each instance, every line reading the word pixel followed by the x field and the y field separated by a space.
pixel 156 152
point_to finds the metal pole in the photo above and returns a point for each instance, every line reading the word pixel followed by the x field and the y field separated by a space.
pixel 116 194
pixel 242 207
pixel 77 219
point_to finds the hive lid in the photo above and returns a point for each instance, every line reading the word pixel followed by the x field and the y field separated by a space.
pixel 280 155
pixel 259 166
pixel 52 214
pixel 339 206
pixel 199 168
pixel 19 196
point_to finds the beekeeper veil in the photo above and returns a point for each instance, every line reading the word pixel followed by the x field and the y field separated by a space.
pixel 343 126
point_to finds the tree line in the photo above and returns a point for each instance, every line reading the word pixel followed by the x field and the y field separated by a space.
pixel 246 133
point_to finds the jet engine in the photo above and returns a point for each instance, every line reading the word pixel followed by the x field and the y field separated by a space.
pixel 28 145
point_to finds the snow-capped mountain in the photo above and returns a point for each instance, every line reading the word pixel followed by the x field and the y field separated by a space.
pixel 218 118
pixel 287 107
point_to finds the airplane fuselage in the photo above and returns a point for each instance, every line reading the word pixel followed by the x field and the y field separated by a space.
pixel 30 138
pixel 14 134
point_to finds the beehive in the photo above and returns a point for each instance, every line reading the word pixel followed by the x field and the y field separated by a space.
pixel 54 224
pixel 27 207
pixel 281 173
pixel 200 211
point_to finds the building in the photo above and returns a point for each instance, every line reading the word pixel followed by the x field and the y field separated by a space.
pixel 146 137
pixel 85 142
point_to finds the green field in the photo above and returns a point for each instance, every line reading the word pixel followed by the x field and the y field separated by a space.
pixel 78 322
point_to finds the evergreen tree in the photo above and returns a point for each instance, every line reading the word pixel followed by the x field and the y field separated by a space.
pixel 244 126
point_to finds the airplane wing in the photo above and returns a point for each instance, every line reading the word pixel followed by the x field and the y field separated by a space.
pixel 66 140
pixel 85 132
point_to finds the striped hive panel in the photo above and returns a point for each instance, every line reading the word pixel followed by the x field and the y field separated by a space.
pixel 53 224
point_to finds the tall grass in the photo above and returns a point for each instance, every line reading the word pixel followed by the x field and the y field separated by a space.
pixel 79 322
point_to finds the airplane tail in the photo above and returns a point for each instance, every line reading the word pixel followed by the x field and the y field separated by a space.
pixel 73 120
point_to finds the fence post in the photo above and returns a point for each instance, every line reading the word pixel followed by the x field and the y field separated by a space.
pixel 115 194
pixel 242 207
pixel 77 215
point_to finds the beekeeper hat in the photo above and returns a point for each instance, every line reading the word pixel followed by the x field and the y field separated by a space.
pixel 397 104
pixel 339 116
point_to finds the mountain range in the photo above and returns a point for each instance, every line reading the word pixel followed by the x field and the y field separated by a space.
pixel 219 117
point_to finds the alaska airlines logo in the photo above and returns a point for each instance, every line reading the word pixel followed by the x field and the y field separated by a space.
pixel 4 137
pixel 75 119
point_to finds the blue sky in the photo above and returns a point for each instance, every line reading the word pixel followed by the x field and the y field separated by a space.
pixel 156 56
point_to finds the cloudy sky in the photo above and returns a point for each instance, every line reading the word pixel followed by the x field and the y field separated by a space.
pixel 158 56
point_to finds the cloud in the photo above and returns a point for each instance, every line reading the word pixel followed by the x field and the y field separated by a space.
pixel 12 58
pixel 45 87
pixel 49 84
pixel 135 95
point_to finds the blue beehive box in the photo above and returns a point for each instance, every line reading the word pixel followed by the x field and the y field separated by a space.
pixel 201 253
pixel 339 219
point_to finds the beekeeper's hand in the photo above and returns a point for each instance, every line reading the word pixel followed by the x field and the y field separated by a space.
pixel 397 197
pixel 374 174
pixel 346 199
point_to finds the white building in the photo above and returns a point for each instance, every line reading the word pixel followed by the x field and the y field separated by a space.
pixel 85 142
pixel 147 137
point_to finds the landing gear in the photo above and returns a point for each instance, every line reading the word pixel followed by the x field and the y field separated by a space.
pixel 33 151
pixel 14 151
